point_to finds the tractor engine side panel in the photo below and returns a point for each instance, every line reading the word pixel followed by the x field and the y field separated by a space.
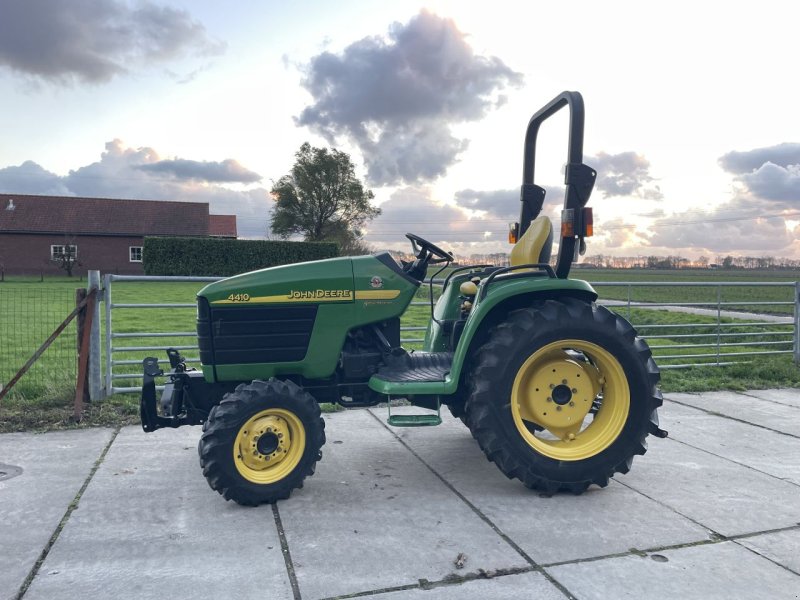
pixel 293 319
pixel 289 319
pixel 253 334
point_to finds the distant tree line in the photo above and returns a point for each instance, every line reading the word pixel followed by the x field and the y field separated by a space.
pixel 601 261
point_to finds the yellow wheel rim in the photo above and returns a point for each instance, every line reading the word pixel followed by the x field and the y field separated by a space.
pixel 269 445
pixel 555 389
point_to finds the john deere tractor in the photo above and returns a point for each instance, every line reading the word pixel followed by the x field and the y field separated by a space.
pixel 559 392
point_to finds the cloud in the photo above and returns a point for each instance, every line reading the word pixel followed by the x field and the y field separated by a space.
pixel 93 41
pixel 32 179
pixel 121 173
pixel 774 182
pixel 396 97
pixel 739 226
pixel 418 151
pixel 624 174
pixel 770 174
pixel 782 155
pixel 504 205
pixel 498 203
pixel 413 209
pixel 227 171
pixel 617 234
pixel 752 221
pixel 759 219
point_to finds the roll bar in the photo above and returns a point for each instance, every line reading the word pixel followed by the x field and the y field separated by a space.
pixel 578 177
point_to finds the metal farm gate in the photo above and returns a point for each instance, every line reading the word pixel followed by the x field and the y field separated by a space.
pixel 728 331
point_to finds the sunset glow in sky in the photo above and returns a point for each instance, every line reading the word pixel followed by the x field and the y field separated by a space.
pixel 691 112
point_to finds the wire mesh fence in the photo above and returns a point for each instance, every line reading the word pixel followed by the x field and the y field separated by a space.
pixel 29 313
pixel 713 323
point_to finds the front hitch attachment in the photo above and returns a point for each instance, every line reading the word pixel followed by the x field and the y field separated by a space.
pixel 172 397
pixel 147 404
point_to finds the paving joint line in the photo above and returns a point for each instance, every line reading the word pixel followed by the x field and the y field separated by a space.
pixel 453 579
pixel 764 556
pixel 713 532
pixel 741 464
pixel 424 584
pixel 23 589
pixel 724 416
pixel 751 395
pixel 287 556
pixel 478 512
pixel 717 539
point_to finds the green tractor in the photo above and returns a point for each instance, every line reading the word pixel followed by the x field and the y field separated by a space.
pixel 559 392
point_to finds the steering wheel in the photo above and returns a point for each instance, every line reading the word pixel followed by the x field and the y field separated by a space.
pixel 425 248
pixel 425 251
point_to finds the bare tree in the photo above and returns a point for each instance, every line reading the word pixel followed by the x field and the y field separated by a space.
pixel 66 255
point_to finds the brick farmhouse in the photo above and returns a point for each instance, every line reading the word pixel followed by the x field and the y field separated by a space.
pixel 101 233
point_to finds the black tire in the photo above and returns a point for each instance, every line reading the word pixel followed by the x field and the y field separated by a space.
pixel 501 358
pixel 458 408
pixel 225 422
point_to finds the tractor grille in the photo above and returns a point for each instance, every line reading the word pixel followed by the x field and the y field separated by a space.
pixel 236 335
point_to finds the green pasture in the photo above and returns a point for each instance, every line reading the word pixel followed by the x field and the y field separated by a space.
pixel 743 295
pixel 707 295
pixel 30 310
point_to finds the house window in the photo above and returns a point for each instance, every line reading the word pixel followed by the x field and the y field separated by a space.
pixel 62 252
pixel 136 253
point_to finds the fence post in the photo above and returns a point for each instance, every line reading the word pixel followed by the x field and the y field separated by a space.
pixel 95 370
pixel 80 323
pixel 719 319
pixel 107 299
pixel 797 323
pixel 629 303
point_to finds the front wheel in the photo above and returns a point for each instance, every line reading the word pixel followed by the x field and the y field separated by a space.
pixel 563 395
pixel 261 442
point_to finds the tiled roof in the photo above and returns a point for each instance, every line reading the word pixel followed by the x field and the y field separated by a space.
pixel 222 225
pixel 103 216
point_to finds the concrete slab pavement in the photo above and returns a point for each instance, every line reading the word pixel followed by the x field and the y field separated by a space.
pixel 705 514
pixel 549 529
pixel 727 498
pixel 781 396
pixel 782 547
pixel 747 408
pixel 149 526
pixel 713 572
pixel 376 512
pixel 760 449
pixel 54 467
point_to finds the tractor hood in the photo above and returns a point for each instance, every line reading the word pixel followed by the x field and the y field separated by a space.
pixel 294 318
pixel 320 281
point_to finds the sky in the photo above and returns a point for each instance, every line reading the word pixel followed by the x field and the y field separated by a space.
pixel 691 111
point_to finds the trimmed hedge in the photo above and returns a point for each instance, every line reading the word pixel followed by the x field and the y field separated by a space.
pixel 225 257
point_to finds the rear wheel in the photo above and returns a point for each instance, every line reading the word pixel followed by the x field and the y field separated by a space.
pixel 563 395
pixel 457 407
pixel 261 442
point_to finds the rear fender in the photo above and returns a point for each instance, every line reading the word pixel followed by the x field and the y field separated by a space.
pixel 501 299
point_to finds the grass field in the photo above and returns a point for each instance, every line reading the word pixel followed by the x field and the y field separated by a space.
pixel 30 310
pixel 741 294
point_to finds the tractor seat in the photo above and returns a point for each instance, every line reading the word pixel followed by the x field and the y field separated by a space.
pixel 535 245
